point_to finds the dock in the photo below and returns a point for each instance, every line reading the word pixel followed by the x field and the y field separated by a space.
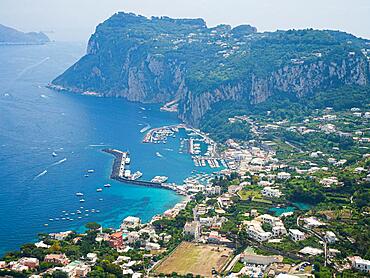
pixel 118 170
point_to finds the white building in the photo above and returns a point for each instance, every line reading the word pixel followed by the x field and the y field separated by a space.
pixel 283 176
pixel 258 234
pixel 193 229
pixel 360 264
pixel 271 192
pixel 130 222
pixel 296 235
pixel 279 230
pixel 330 237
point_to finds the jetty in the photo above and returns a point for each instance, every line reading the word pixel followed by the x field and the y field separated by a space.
pixel 119 170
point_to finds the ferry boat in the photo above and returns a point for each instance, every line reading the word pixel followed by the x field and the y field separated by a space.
pixel 99 190
pixel 107 185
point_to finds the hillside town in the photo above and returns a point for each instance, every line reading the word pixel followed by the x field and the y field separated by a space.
pixel 261 216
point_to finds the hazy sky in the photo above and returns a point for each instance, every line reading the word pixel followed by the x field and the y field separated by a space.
pixel 75 20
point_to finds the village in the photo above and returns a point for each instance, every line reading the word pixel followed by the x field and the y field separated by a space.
pixel 244 221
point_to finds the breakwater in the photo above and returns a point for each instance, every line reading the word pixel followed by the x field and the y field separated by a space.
pixel 118 170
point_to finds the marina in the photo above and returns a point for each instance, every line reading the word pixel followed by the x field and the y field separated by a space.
pixel 122 174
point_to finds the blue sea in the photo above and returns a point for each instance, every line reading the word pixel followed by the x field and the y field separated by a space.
pixel 36 186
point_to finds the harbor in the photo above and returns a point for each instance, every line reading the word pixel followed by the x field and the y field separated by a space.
pixel 121 173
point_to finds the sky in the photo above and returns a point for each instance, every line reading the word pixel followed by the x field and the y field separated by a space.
pixel 75 20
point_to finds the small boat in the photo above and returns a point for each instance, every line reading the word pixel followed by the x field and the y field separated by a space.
pixel 99 190
pixel 101 199
pixel 107 185
pixel 72 213
pixel 82 200
pixel 86 214
pixel 97 211
pixel 91 171
pixel 78 212
pixel 63 218
pixel 79 217
pixel 86 210
pixel 79 194
pixel 51 219
pixel 86 176
pixel 54 154
pixel 46 225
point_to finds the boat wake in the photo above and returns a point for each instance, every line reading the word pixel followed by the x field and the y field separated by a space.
pixel 158 154
pixel 41 174
pixel 59 162
pixel 145 128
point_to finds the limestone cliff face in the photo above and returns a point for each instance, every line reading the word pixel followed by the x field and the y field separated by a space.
pixel 301 80
pixel 161 59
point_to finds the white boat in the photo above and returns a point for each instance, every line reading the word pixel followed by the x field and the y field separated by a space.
pixel 107 185
pixel 101 199
pixel 79 194
pixel 99 190
pixel 82 200
pixel 54 154
pixel 136 175
pixel 91 171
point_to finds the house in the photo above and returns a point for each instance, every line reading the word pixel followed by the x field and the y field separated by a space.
pixel 311 251
pixel 116 240
pixel 279 230
pixel 92 257
pixel 2 264
pixel 61 235
pixel 152 246
pixel 215 238
pixel 130 222
pixel 76 269
pixel 360 264
pixel 296 235
pixel 233 189
pixel 41 244
pixel 254 213
pixel 57 259
pixel 283 176
pixel 256 232
pixel 132 237
pixel 193 229
pixel 311 222
pixel 31 263
pixel 330 237
pixel 271 192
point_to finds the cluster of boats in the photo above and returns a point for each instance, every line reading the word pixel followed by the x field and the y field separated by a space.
pixel 78 214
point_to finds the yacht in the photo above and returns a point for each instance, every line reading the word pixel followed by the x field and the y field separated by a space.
pixel 99 190
pixel 79 194
pixel 107 185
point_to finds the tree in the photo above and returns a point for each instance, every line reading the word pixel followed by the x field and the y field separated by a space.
pixel 93 226
pixel 59 274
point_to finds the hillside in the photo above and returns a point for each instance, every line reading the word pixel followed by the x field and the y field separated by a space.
pixel 158 60
pixel 12 36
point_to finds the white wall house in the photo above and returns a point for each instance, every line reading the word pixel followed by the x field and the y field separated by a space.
pixel 296 235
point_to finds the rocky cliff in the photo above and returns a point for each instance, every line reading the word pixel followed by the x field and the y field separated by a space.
pixel 162 59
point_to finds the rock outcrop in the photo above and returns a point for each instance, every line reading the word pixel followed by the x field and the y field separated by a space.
pixel 161 59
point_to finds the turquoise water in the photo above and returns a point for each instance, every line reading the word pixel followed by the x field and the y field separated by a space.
pixel 280 211
pixel 35 122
